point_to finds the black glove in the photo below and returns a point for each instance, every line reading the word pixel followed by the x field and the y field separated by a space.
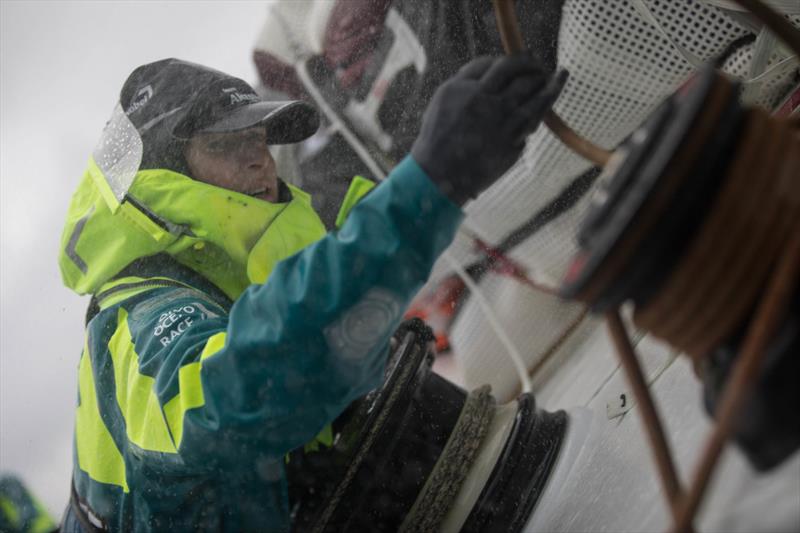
pixel 475 126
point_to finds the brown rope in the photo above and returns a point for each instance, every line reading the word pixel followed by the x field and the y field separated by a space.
pixel 768 317
pixel 512 43
pixel 553 348
pixel 580 145
pixel 718 281
pixel 709 294
pixel 726 267
pixel 511 37
pixel 658 204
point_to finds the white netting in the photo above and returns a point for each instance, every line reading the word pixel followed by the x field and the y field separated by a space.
pixel 621 67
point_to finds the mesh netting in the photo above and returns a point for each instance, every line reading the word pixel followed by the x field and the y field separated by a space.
pixel 621 67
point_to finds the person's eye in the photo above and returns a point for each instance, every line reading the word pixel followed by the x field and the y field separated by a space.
pixel 257 138
pixel 217 147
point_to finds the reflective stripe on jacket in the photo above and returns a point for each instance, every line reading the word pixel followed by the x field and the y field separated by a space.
pixel 187 407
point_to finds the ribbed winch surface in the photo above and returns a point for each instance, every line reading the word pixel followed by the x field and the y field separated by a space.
pixel 402 453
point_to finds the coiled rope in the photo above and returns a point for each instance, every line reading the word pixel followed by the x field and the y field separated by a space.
pixel 724 270
pixel 745 255
pixel 749 241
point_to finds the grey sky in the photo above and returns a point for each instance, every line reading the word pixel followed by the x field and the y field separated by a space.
pixel 61 68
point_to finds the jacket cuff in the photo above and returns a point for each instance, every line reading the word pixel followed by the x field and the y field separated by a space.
pixel 412 174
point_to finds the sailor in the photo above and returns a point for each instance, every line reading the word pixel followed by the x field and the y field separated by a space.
pixel 226 328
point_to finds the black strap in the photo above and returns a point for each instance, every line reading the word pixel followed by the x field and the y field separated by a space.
pixel 563 202
pixel 82 510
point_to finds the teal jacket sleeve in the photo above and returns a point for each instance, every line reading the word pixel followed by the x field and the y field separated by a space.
pixel 300 348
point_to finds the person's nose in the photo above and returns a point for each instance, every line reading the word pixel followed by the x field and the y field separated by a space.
pixel 257 156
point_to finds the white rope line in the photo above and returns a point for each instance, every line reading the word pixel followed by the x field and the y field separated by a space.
pixel 363 154
pixel 483 303
pixel 787 7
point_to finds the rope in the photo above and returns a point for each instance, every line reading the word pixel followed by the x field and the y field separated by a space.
pixel 554 347
pixel 716 284
pixel 511 37
pixel 495 259
pixel 749 240
pixel 754 225
pixel 453 465
pixel 745 372
pixel 505 340
pixel 739 248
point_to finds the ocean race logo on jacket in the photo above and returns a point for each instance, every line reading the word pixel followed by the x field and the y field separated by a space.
pixel 175 322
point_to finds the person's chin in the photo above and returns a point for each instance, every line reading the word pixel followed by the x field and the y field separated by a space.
pixel 268 197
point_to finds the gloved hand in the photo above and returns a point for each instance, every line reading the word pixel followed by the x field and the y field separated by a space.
pixel 475 126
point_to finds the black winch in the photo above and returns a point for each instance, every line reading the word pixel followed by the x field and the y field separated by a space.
pixel 401 454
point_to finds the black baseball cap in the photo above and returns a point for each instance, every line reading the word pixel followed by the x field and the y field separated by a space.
pixel 178 99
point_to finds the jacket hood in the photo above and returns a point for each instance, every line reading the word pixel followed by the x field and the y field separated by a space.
pixel 232 239
pixel 136 199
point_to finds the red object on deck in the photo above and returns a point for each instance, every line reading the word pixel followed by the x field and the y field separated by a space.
pixel 438 308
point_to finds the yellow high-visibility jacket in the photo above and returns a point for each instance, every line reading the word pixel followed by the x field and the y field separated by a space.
pixel 190 394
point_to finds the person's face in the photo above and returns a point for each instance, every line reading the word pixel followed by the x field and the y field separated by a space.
pixel 239 161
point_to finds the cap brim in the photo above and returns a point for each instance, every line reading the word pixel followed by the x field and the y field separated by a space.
pixel 286 122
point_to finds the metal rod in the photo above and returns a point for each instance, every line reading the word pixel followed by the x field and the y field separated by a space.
pixel 767 319
pixel 508 26
pixel 655 430
pixel 512 43
pixel 580 145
